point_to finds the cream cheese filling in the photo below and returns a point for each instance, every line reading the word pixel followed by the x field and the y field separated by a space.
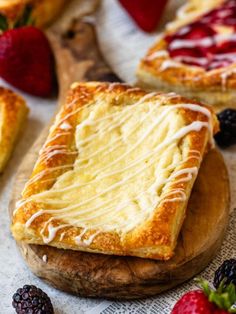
pixel 127 157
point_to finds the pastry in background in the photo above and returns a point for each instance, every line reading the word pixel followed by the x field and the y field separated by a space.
pixel 116 172
pixel 13 113
pixel 196 55
pixel 44 11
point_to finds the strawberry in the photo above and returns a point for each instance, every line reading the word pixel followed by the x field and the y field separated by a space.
pixel 146 13
pixel 194 302
pixel 207 301
pixel 199 30
pixel 26 59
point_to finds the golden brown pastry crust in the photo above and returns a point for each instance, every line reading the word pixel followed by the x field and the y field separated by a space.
pixel 191 10
pixel 215 87
pixel 44 11
pixel 13 112
pixel 155 238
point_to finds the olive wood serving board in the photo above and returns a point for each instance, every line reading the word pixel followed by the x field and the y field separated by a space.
pixel 97 275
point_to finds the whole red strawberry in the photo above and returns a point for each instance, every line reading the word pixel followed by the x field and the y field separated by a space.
pixel 146 13
pixel 195 302
pixel 207 301
pixel 26 59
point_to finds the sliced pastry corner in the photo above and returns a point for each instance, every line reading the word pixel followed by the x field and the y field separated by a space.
pixel 43 11
pixel 116 171
pixel 196 54
pixel 13 113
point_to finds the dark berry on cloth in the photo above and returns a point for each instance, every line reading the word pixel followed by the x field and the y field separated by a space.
pixel 227 134
pixel 31 300
pixel 227 272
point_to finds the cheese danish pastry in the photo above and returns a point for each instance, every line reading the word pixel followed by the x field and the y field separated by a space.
pixel 116 171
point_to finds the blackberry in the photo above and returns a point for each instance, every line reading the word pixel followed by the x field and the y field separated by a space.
pixel 227 134
pixel 227 272
pixel 31 300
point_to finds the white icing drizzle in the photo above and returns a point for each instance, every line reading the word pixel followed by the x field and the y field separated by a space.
pixel 56 136
pixel 189 172
pixel 52 231
pixel 180 198
pixel 187 12
pixel 105 147
pixel 201 61
pixel 167 64
pixel 48 155
pixel 101 206
pixel 62 236
pixel 182 12
pixel 203 42
pixel 157 54
pixel 133 89
pixel 180 134
pixel 33 217
pixel 86 242
pixel 45 149
pixel 53 147
pixel 38 176
pixel 65 126
pixel 225 75
pixel 184 30
pixel 45 258
pixel 78 239
pixel 221 56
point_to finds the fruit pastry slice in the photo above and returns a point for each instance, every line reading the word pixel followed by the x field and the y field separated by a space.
pixel 44 11
pixel 196 55
pixel 116 172
pixel 13 112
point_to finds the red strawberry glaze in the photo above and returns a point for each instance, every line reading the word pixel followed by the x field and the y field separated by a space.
pixel 201 44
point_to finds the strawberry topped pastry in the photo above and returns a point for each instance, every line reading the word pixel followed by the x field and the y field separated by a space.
pixel 26 59
pixel 196 55
pixel 210 42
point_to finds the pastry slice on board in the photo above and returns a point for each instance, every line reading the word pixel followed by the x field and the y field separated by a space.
pixel 101 275
pixel 13 112
pixel 116 172
pixel 196 55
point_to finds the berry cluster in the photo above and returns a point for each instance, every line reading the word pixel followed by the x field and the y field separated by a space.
pixel 32 300
pixel 209 301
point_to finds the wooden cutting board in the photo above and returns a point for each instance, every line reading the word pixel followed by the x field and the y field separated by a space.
pixel 97 275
